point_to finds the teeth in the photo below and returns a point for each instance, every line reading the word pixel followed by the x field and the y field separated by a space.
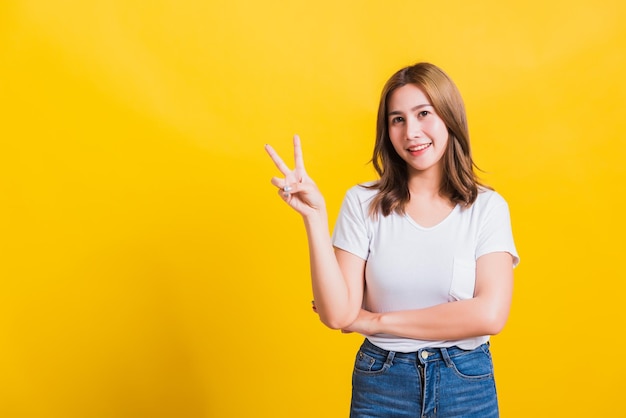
pixel 419 148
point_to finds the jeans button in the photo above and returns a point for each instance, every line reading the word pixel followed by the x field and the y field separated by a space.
pixel 425 354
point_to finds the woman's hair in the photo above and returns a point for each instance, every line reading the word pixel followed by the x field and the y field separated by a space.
pixel 459 182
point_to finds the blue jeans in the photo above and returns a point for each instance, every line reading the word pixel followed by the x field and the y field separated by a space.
pixel 429 383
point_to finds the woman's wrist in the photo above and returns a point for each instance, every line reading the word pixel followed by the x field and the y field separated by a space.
pixel 376 323
pixel 316 216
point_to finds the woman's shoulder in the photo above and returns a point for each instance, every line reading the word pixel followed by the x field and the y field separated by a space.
pixel 488 198
pixel 361 195
pixel 363 191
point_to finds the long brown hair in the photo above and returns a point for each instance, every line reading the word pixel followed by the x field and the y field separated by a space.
pixel 459 182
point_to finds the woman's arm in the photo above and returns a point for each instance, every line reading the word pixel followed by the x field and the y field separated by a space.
pixel 336 275
pixel 484 314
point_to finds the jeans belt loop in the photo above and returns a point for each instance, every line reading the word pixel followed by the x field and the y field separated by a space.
pixel 446 357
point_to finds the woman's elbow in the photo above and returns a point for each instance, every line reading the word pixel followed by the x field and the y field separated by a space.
pixel 338 322
pixel 494 322
pixel 333 323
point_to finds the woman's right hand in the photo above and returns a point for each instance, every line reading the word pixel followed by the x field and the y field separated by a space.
pixel 297 189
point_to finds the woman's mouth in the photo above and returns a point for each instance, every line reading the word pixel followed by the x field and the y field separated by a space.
pixel 417 149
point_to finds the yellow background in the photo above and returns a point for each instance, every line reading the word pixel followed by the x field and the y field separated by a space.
pixel 147 267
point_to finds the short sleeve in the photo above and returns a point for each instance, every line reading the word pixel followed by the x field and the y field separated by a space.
pixel 351 233
pixel 495 234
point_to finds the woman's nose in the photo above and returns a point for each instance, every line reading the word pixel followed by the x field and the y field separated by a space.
pixel 413 129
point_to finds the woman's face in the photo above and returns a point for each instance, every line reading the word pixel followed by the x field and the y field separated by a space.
pixel 417 133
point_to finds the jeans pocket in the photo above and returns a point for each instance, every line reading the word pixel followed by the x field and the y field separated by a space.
pixel 370 363
pixel 474 365
pixel 463 279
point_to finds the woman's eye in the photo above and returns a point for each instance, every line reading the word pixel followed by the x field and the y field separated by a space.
pixel 424 113
pixel 397 119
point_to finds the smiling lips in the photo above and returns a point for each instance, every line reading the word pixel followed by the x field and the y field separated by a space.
pixel 418 148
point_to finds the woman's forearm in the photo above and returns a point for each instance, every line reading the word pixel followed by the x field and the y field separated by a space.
pixel 336 302
pixel 448 321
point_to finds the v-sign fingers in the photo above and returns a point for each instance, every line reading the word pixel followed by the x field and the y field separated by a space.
pixel 280 164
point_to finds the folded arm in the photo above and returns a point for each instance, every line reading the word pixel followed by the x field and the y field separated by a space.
pixel 484 314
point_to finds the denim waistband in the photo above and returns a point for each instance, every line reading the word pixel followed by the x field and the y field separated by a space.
pixel 423 354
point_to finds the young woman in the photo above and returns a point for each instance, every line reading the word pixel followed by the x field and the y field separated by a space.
pixel 420 261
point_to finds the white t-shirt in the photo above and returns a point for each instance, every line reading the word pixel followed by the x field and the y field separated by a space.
pixel 412 267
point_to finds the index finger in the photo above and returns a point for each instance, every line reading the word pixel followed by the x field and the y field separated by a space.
pixel 280 164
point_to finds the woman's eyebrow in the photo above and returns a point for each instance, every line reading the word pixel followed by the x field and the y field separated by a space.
pixel 413 109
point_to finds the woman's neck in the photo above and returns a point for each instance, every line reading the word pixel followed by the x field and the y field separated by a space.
pixel 426 184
